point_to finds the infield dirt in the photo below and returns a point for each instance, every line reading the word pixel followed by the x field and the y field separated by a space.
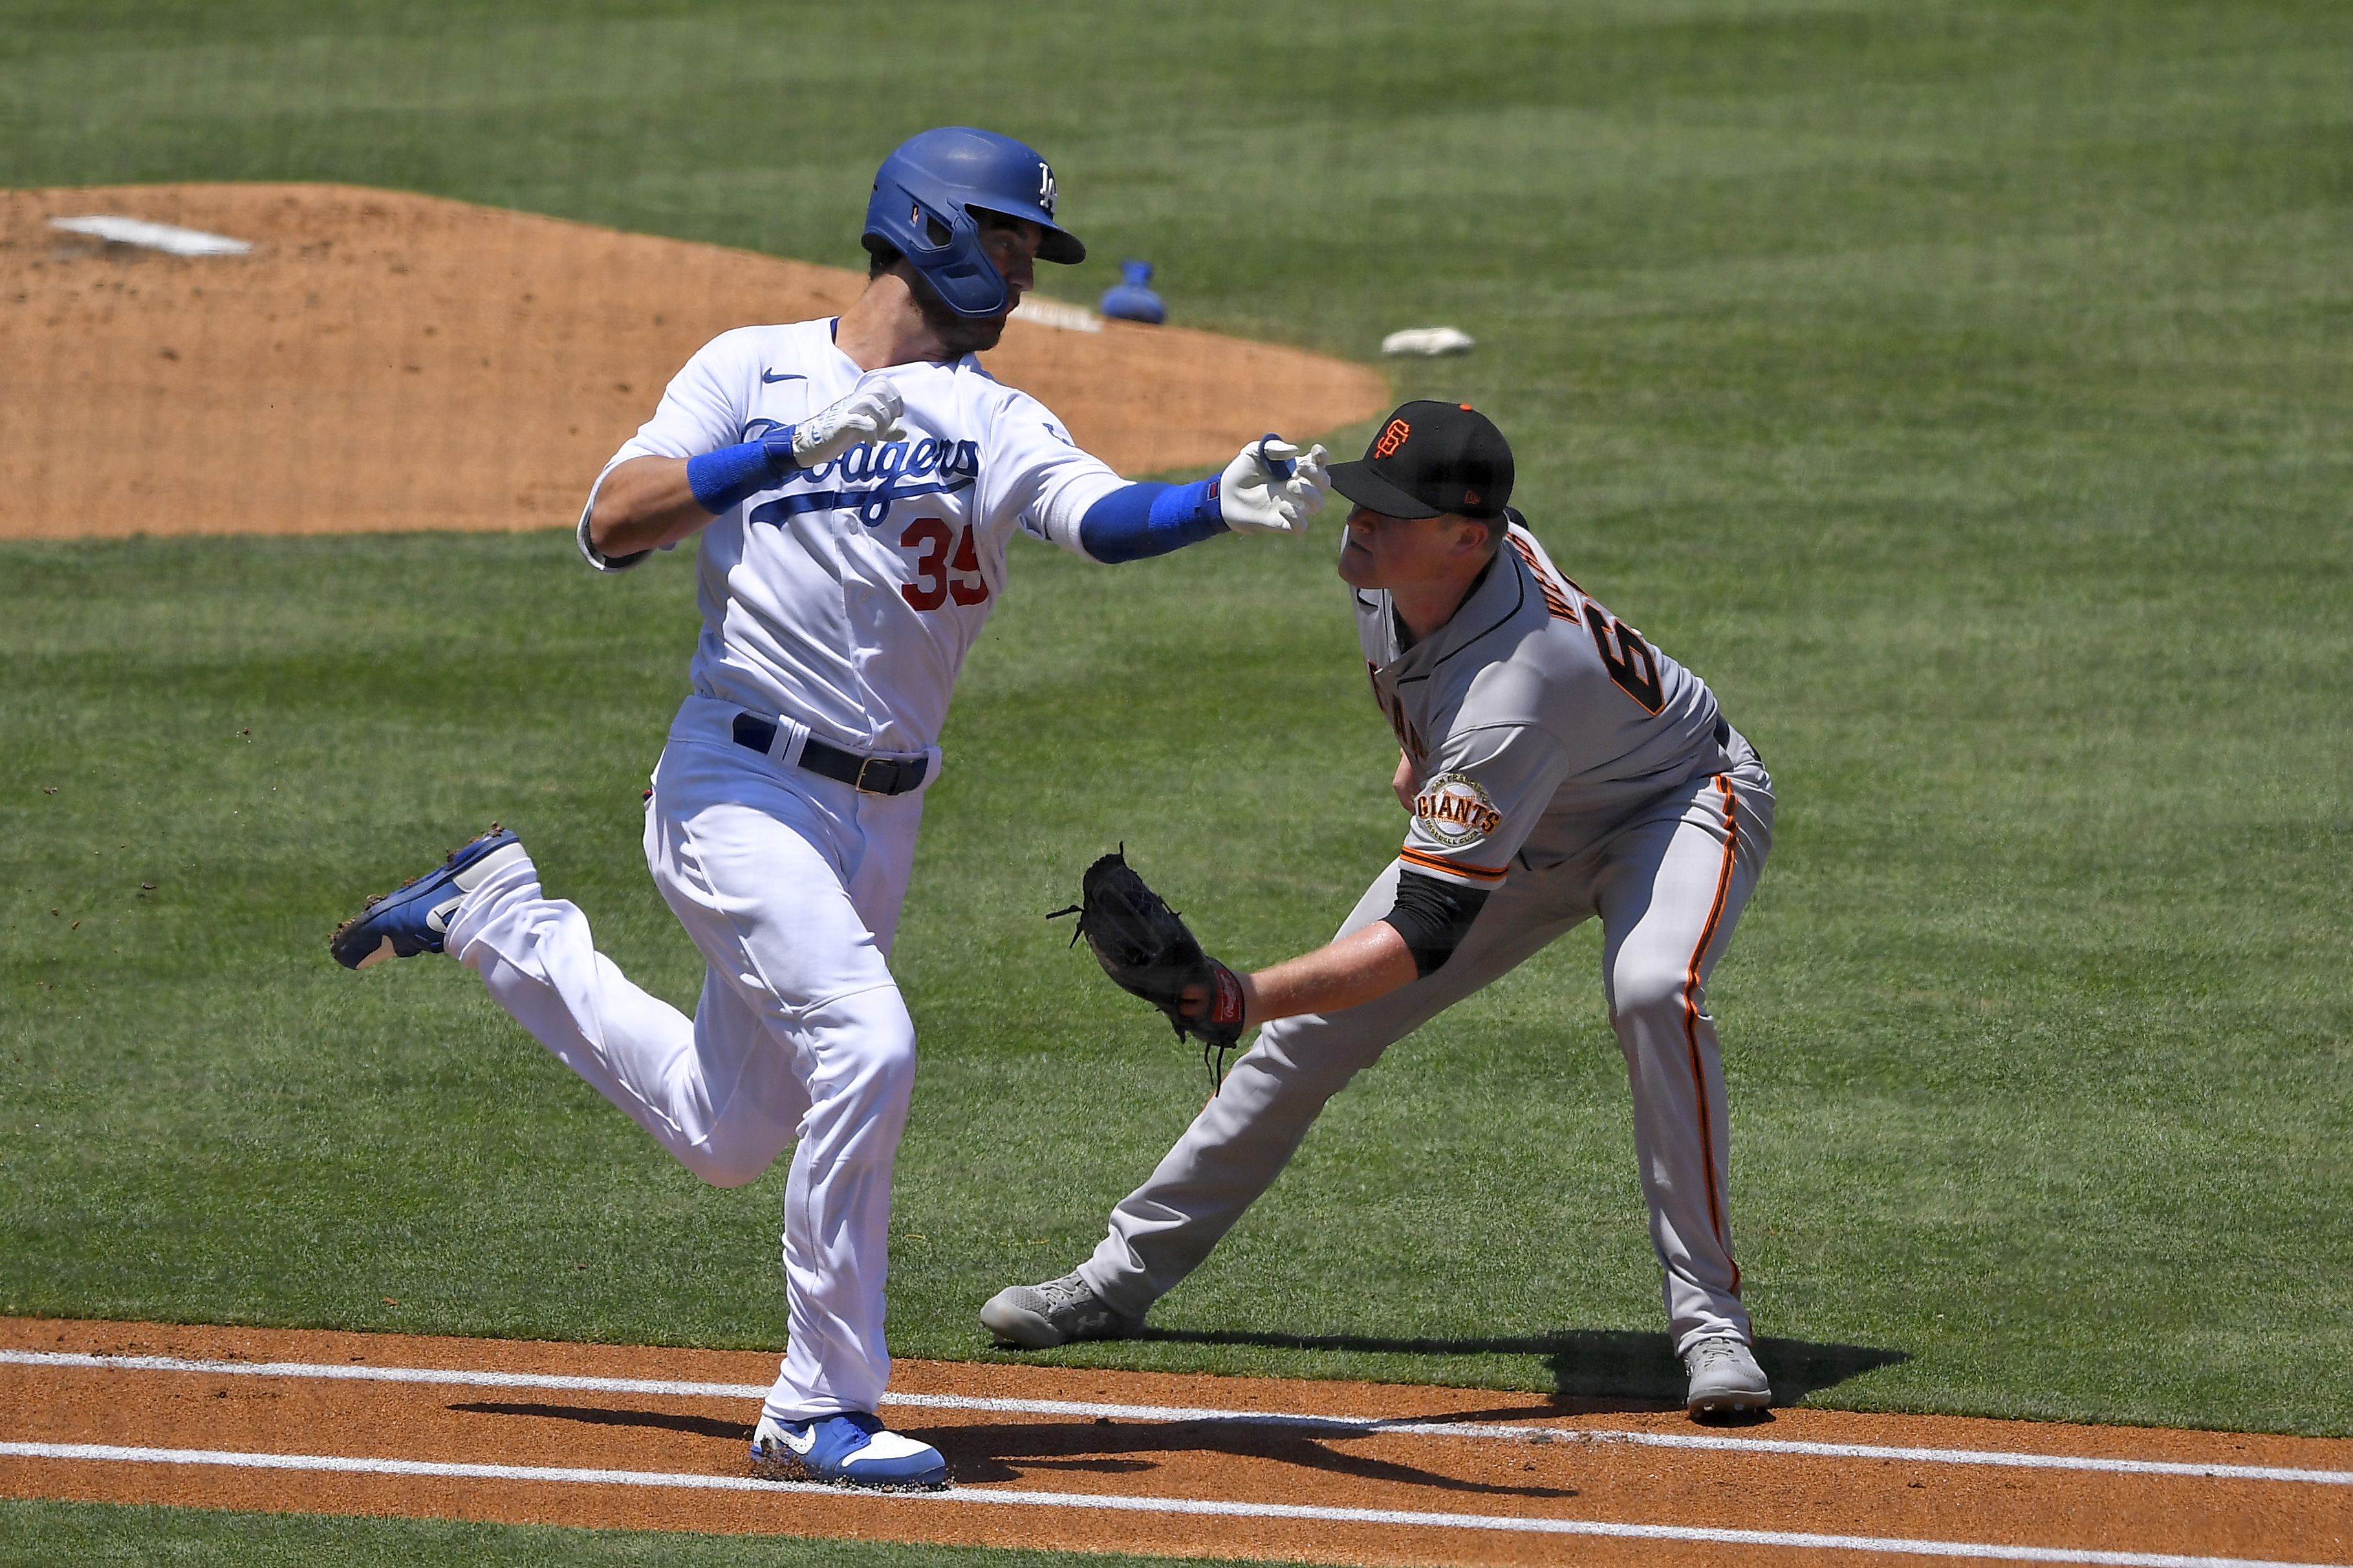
pixel 381 360
pixel 1015 1468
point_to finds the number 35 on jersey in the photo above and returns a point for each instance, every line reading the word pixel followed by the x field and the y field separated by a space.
pixel 945 566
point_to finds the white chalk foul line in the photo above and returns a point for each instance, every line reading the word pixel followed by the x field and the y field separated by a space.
pixel 342 1465
pixel 334 1371
pixel 1336 1426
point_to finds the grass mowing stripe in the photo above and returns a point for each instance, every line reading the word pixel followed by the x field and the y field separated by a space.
pixel 36 1534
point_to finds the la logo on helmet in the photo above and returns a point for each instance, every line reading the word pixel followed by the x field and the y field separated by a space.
pixel 1046 187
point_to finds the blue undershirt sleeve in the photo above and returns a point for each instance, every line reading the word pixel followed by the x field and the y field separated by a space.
pixel 721 478
pixel 1145 519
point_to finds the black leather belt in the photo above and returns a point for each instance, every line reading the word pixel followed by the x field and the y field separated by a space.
pixel 867 775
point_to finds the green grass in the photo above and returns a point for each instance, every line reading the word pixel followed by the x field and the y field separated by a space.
pixel 40 1535
pixel 1962 390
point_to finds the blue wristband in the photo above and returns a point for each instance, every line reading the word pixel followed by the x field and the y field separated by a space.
pixel 1146 520
pixel 719 480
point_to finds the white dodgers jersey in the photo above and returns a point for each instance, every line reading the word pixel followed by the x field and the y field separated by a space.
pixel 847 595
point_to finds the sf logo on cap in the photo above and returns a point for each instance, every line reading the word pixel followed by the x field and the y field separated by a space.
pixel 1392 438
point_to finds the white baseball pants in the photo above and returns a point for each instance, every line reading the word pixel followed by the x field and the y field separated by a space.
pixel 790 884
pixel 1669 885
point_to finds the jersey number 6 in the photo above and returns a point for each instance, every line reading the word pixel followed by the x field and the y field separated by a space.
pixel 939 574
pixel 1631 664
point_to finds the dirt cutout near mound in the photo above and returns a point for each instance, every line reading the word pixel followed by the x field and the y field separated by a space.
pixel 1046 1457
pixel 381 360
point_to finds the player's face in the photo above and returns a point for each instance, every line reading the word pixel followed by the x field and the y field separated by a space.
pixel 1378 552
pixel 1011 247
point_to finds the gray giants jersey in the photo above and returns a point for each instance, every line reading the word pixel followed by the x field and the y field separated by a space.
pixel 847 596
pixel 1533 704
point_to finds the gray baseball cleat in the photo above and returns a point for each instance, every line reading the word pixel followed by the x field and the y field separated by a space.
pixel 1725 1378
pixel 1039 1316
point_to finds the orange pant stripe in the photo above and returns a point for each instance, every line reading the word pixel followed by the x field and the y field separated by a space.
pixel 1691 1014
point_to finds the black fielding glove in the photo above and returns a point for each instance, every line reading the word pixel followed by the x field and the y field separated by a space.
pixel 1148 951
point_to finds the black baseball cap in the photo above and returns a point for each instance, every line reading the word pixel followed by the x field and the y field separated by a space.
pixel 1432 458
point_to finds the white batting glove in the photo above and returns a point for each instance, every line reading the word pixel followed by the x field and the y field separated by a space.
pixel 872 413
pixel 1273 487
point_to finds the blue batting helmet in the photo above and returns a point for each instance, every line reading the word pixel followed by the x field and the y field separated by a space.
pixel 924 202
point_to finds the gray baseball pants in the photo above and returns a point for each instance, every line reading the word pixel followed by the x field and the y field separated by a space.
pixel 1669 885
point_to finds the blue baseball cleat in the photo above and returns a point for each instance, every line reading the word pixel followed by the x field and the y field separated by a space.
pixel 414 917
pixel 853 1449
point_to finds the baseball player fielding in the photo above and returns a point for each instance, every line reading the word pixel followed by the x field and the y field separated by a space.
pixel 1555 766
pixel 855 482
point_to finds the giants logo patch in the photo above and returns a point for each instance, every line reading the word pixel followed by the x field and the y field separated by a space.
pixel 1392 438
pixel 1453 809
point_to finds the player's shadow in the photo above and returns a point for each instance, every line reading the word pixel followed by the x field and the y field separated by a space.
pixel 1593 1370
pixel 984 1452
pixel 1007 1451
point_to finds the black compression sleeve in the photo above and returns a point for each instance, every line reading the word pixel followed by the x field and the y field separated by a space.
pixel 1432 917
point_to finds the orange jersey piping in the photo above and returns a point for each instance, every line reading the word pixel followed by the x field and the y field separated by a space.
pixel 1430 862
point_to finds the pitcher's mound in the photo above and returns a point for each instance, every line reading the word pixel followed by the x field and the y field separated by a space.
pixel 385 360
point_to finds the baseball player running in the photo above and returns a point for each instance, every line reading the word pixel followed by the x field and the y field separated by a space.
pixel 856 482
pixel 1556 767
